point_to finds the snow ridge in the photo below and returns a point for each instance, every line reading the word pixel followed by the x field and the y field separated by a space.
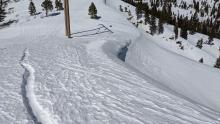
pixel 39 115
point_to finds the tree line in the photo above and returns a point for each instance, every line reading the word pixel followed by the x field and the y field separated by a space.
pixel 47 6
pixel 165 16
pixel 2 10
pixel 210 26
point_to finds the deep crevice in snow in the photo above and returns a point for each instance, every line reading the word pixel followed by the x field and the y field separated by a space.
pixel 123 52
pixel 38 114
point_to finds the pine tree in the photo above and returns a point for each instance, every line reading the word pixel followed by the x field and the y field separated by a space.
pixel 129 13
pixel 147 18
pixel 206 9
pixel 217 64
pixel 93 10
pixel 2 11
pixel 176 31
pixel 210 40
pixel 194 19
pixel 59 5
pixel 32 8
pixel 126 9
pixel 160 26
pixel 204 28
pixel 153 27
pixel 199 44
pixel 139 8
pixel 120 8
pixel 201 60
pixel 47 5
pixel 184 33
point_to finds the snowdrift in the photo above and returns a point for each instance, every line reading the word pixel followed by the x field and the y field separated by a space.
pixel 195 81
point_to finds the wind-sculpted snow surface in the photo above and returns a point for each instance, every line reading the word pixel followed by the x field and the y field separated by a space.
pixel 81 80
pixel 193 80
pixel 155 57
pixel 42 117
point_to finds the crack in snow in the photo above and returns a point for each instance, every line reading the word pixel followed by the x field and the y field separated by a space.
pixel 123 51
pixel 38 114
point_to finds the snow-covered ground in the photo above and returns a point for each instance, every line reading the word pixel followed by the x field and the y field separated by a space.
pixel 81 80
pixel 158 56
pixel 209 53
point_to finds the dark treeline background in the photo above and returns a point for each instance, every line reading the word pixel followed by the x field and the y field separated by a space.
pixel 210 26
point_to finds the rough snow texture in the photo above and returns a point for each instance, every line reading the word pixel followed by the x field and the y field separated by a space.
pixel 41 115
pixel 81 80
pixel 159 57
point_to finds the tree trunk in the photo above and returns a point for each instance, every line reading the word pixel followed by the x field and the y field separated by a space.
pixel 46 12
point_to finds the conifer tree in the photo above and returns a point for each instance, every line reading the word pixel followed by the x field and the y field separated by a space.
pixel 204 28
pixel 126 9
pixel 210 40
pixel 59 5
pixel 217 64
pixel 147 17
pixel 176 31
pixel 206 9
pixel 199 44
pixel 146 7
pixel 32 8
pixel 153 27
pixel 2 11
pixel 120 8
pixel 166 13
pixel 93 10
pixel 201 60
pixel 139 8
pixel 47 5
pixel 184 33
pixel 192 21
pixel 160 26
pixel 129 13
pixel 218 12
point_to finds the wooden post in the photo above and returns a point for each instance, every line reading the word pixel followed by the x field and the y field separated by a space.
pixel 67 18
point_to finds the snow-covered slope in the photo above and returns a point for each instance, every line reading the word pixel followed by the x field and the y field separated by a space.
pixel 183 47
pixel 161 58
pixel 192 79
pixel 81 80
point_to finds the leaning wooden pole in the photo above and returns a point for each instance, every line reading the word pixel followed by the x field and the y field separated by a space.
pixel 67 18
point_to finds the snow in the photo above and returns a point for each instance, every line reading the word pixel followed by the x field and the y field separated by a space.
pixel 195 81
pixel 209 53
pixel 81 80
pixel 191 79
pixel 29 77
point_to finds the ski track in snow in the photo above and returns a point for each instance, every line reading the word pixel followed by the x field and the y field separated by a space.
pixel 38 114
